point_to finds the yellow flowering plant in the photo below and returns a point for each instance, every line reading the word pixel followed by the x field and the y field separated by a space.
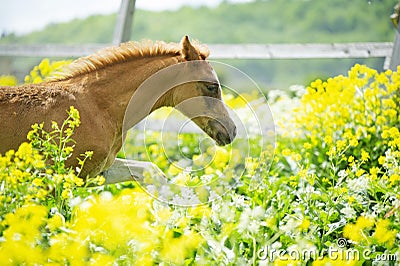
pixel 39 73
pixel 330 196
pixel 46 69
pixel 37 171
pixel 6 80
pixel 344 133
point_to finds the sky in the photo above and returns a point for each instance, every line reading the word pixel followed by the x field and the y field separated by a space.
pixel 24 16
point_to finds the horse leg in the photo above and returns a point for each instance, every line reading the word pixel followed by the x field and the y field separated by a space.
pixel 128 170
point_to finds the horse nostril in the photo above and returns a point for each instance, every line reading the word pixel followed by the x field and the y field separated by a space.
pixel 224 135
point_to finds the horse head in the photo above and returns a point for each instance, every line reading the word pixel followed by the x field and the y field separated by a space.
pixel 201 99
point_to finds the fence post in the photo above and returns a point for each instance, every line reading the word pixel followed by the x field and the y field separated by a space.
pixel 123 26
pixel 5 65
pixel 395 58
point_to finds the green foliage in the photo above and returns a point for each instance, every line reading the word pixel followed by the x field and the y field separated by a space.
pixel 331 189
pixel 333 186
pixel 274 21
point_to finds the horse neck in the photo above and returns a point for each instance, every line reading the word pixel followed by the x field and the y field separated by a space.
pixel 113 87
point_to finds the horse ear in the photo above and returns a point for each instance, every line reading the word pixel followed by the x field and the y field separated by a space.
pixel 188 51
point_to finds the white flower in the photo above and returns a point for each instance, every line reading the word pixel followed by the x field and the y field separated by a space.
pixel 238 200
pixel 73 202
pixel 379 208
pixel 273 95
pixel 254 226
pixel 258 212
pixel 290 226
pixel 342 173
pixel 227 214
pixel 187 197
pixel 299 90
pixel 205 179
pixel 250 219
pixel 358 185
pixel 348 212
pixel 244 222
pixel 106 195
pixel 165 192
pixel 396 203
pixel 213 196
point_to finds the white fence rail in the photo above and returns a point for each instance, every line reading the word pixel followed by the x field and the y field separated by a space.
pixel 122 32
pixel 224 51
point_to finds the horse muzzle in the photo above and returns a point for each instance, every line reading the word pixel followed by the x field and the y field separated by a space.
pixel 223 132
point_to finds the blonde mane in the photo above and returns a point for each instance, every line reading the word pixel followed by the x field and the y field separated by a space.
pixel 123 53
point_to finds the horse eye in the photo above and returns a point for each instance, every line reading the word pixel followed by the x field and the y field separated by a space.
pixel 212 87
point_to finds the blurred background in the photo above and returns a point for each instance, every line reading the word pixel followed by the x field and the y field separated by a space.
pixel 211 22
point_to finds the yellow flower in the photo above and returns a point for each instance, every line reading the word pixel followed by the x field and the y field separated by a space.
pixel 356 232
pixel 328 140
pixel 103 259
pixel 395 178
pixel 66 194
pixel 352 232
pixel 199 211
pixel 182 179
pixel 154 149
pixel 360 172
pixel 305 224
pixel 385 134
pixel 251 165
pixel 331 152
pixel 78 181
pixel 351 199
pixel 383 235
pixel 364 155
pixel 198 160
pixel 286 152
pixel 37 182
pixel 174 169
pixel 381 120
pixel 99 180
pixel 364 222
pixel 307 145
pixel 221 157
pixel 340 144
pixel 68 150
pixel 381 160
pixel 353 142
pixel 163 215
pixel 209 170
pixel 374 172
pixel 56 222
pixel 176 250
pixel 8 81
pixel 296 157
